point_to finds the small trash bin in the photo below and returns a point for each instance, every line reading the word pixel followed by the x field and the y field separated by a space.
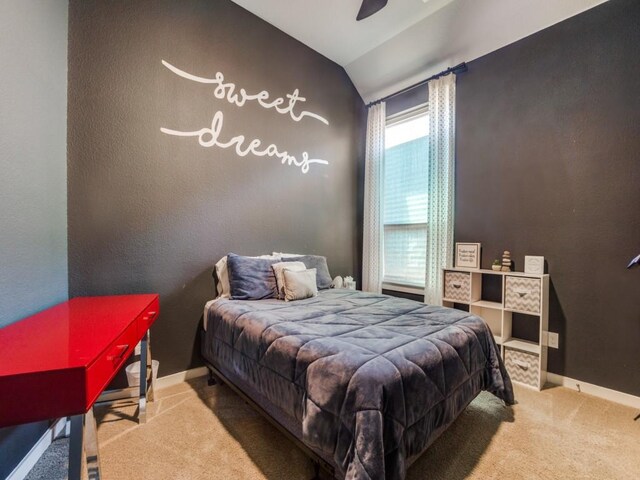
pixel 133 372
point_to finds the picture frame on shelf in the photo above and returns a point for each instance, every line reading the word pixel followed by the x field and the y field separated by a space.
pixel 534 264
pixel 468 255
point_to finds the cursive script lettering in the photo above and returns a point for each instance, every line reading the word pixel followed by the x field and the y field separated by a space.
pixel 210 137
pixel 228 91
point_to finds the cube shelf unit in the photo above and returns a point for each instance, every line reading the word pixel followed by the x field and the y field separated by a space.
pixel 524 293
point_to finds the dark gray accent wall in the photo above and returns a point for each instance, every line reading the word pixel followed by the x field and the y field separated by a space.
pixel 150 212
pixel 33 237
pixel 548 163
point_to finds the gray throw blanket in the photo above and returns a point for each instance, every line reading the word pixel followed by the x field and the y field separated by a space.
pixel 372 379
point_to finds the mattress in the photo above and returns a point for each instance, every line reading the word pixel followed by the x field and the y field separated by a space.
pixel 371 380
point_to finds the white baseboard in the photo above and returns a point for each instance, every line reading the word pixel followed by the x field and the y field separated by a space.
pixel 595 390
pixel 27 463
pixel 176 378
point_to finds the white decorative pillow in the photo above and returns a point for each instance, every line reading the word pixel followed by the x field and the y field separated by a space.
pixel 223 286
pixel 222 275
pixel 281 254
pixel 299 285
pixel 278 270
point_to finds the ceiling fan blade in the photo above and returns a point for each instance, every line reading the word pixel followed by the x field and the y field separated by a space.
pixel 369 7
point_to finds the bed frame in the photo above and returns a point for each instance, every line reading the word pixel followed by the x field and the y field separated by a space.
pixel 215 376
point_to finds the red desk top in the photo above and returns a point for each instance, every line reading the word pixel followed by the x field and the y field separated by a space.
pixel 57 362
pixel 68 335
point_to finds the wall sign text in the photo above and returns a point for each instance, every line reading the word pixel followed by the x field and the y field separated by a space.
pixel 210 136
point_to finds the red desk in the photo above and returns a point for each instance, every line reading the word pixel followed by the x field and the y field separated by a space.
pixel 56 363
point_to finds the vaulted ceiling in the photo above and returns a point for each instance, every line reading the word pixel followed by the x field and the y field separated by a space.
pixel 410 40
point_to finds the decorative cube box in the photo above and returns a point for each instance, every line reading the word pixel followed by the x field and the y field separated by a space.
pixel 522 366
pixel 457 286
pixel 522 294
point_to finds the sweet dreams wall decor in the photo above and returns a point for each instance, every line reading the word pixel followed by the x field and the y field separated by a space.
pixel 209 136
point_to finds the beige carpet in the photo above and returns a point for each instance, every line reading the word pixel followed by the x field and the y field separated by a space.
pixel 200 432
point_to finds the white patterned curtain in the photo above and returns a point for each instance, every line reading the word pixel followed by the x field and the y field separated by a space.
pixel 373 245
pixel 441 183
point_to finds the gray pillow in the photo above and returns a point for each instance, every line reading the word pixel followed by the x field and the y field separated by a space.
pixel 251 278
pixel 323 278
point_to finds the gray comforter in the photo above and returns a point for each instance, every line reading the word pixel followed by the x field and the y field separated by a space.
pixel 372 379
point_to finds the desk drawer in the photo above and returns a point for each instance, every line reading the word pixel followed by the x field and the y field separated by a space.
pixel 102 371
pixel 146 319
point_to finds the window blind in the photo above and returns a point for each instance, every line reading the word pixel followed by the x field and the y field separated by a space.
pixel 405 203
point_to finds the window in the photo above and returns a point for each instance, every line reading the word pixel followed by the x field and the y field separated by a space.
pixel 405 198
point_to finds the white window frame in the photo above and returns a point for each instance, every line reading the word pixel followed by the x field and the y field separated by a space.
pixel 392 120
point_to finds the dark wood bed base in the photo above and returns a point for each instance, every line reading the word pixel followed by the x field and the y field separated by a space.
pixel 215 376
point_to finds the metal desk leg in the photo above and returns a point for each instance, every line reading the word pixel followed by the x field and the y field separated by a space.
pixel 83 445
pixel 75 447
pixel 151 385
pixel 91 446
pixel 146 393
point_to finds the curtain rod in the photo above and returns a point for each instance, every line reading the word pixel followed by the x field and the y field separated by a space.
pixel 460 68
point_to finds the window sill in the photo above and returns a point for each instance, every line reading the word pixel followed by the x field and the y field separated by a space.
pixel 394 287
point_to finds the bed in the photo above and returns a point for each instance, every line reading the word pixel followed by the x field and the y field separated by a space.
pixel 365 381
